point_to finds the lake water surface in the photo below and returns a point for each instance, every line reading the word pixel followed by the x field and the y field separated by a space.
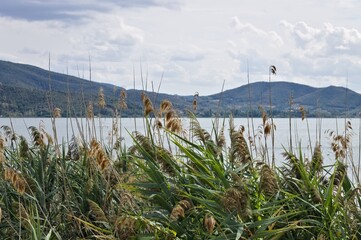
pixel 302 133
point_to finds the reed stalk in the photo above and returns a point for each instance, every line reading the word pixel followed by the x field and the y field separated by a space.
pixel 272 71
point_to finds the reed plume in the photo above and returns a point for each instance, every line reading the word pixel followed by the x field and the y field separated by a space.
pixel 90 111
pixel 2 150
pixel 209 223
pixel 294 163
pixel 317 159
pixel 96 152
pixel 236 199
pixel 96 211
pixel 303 112
pixel 37 136
pixel 340 173
pixel 173 122
pixel 198 132
pixel 195 98
pixel 221 140
pixel 177 213
pixel 239 152
pixel 158 123
pixel 75 148
pixel 16 179
pixel 162 156
pixel 165 106
pixel 101 98
pixel 23 147
pixel 179 210
pixel 147 104
pixel 268 182
pixel 123 100
pixel 9 133
pixel 57 113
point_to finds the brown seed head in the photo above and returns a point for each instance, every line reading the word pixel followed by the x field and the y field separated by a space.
pixel 209 223
pixel 2 150
pixel 89 111
pixel 177 212
pixel 169 116
pixel 185 204
pixel 268 181
pixel 236 198
pixel 165 106
pixel 97 211
pixel 15 178
pixel 57 113
pixel 303 112
pixel 147 103
pixel 122 100
pixel 101 98
pixel 195 101
pixel 158 124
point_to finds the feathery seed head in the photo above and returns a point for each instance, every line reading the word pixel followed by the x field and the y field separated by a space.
pixel 268 181
pixel 2 150
pixel 57 113
pixel 97 211
pixel 15 178
pixel 179 210
pixel 177 213
pixel 89 111
pixel 101 98
pixel 339 173
pixel 158 124
pixel 165 106
pixel 147 103
pixel 303 112
pixel 221 141
pixel 209 223
pixel 317 159
pixel 185 204
pixel 195 101
pixel 122 100
pixel 236 199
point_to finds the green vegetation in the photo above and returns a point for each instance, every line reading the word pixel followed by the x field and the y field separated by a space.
pixel 173 183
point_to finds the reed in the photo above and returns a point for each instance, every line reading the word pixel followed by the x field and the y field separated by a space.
pixel 166 185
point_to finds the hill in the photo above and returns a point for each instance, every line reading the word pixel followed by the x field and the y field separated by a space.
pixel 29 91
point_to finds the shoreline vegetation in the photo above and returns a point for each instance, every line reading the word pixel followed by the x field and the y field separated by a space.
pixel 175 182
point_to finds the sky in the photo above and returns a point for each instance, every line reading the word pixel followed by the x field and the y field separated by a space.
pixel 187 46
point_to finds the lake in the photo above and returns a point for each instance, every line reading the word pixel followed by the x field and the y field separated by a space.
pixel 300 137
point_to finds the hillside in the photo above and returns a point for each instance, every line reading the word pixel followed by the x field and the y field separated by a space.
pixel 28 91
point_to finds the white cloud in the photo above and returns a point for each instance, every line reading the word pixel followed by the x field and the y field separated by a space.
pixel 191 53
pixel 194 43
pixel 247 28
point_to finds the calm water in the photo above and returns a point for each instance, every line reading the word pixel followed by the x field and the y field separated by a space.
pixel 299 131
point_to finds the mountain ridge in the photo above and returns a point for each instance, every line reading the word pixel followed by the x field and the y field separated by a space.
pixel 27 91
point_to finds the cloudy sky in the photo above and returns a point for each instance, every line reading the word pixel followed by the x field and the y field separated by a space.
pixel 196 45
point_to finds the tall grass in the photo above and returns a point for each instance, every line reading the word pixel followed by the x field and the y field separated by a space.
pixel 174 183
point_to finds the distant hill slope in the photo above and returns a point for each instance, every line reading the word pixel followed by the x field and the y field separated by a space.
pixel 330 101
pixel 27 91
